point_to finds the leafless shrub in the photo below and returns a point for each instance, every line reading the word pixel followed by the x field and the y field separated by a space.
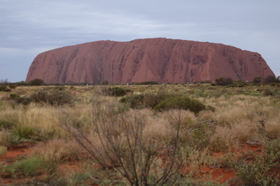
pixel 118 144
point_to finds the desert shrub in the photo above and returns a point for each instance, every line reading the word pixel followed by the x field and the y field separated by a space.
pixel 267 92
pixel 256 172
pixel 202 82
pixel 270 79
pixel 14 96
pixel 36 82
pixel 120 144
pixel 25 100
pixel 115 91
pixel 180 102
pixel 56 97
pixel 2 88
pixel 13 86
pixel 257 80
pixel 258 169
pixel 148 100
pixel 224 81
pixel 210 108
pixel 146 83
pixel 5 88
pixel 153 99
pixel 21 83
pixel 273 148
pixel 134 101
pixel 239 83
pixel 162 100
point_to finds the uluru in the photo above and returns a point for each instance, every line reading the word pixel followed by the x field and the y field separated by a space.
pixel 156 59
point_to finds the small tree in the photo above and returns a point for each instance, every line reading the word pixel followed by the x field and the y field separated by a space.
pixel 270 79
pixel 257 80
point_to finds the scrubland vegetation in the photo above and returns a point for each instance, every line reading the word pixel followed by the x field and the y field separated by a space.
pixel 142 134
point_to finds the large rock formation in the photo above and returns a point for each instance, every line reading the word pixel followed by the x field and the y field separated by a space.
pixel 162 60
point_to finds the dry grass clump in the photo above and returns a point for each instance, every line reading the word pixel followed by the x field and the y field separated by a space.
pixel 194 159
pixel 206 115
pixel 58 150
pixel 221 140
pixel 273 128
pixel 234 114
pixel 3 149
pixel 225 137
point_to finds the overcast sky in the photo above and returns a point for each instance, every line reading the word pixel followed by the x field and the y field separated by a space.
pixel 33 26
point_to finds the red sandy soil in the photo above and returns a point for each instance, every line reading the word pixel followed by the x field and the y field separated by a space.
pixel 219 174
pixel 223 175
pixel 14 153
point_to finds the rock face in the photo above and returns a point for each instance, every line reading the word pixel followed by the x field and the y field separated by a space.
pixel 162 60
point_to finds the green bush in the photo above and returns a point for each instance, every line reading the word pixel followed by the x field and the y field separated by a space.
pixel 149 100
pixel 153 99
pixel 224 81
pixel 26 167
pixel 36 82
pixel 25 100
pixel 56 97
pixel 134 101
pixel 270 79
pixel 162 100
pixel 5 88
pixel 272 148
pixel 21 83
pixel 146 83
pixel 115 91
pixel 257 80
pixel 210 108
pixel 180 102
pixel 14 96
pixel 239 83
pixel 2 88
pixel 256 173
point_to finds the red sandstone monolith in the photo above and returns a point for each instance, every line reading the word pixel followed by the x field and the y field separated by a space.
pixel 161 60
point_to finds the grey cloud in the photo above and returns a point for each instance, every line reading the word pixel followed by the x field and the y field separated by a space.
pixel 33 26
